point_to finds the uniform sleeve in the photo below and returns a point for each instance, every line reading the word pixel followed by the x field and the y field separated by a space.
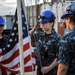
pixel 64 51
pixel 57 44
pixel 5 40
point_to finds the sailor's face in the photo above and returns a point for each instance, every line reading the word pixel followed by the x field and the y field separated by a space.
pixel 46 26
pixel 67 22
pixel 1 29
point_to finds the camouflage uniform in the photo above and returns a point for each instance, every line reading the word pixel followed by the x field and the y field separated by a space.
pixel 48 46
pixel 3 41
pixel 34 39
pixel 67 52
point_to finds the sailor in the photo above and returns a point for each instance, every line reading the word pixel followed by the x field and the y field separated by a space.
pixel 66 58
pixel 47 44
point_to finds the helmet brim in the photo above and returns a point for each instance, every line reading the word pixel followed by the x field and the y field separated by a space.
pixel 45 20
pixel 2 24
pixel 66 14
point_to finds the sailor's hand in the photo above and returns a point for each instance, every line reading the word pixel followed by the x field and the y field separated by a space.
pixel 37 26
pixel 45 69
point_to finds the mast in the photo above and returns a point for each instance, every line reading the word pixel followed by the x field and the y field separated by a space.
pixel 20 36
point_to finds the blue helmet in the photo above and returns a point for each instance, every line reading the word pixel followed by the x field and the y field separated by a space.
pixel 47 16
pixel 69 10
pixel 2 21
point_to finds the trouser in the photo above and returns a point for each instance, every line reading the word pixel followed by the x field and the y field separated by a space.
pixel 39 70
pixel 12 74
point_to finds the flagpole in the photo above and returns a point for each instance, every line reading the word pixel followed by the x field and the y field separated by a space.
pixel 23 3
pixel 20 36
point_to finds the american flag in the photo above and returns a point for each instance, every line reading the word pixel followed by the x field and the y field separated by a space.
pixel 10 57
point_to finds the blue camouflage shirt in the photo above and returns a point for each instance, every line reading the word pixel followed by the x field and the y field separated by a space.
pixel 48 46
pixel 67 51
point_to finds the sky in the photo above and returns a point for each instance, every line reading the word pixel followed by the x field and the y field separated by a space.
pixel 7 7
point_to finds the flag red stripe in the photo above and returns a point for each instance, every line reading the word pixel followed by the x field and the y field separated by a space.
pixel 26 46
pixel 28 58
pixel 33 54
pixel 28 69
pixel 3 71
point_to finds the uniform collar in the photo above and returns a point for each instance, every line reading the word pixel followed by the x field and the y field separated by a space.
pixel 53 31
pixel 72 30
